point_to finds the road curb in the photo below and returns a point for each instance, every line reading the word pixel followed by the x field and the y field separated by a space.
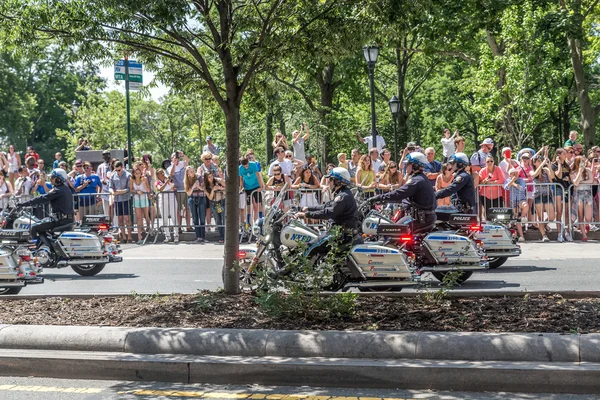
pixel 455 293
pixel 466 346
pixel 470 361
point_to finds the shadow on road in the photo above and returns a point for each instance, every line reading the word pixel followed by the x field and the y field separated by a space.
pixel 518 268
pixel 75 277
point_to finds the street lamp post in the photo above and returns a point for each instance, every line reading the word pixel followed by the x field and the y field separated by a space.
pixel 394 108
pixel 371 53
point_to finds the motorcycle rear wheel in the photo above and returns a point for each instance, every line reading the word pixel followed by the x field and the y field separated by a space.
pixel 10 290
pixel 497 262
pixel 88 270
pixel 439 275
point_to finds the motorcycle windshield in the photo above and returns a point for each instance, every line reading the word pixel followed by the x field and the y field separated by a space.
pixel 276 204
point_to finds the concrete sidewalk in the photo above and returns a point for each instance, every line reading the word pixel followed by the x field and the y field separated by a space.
pixel 416 360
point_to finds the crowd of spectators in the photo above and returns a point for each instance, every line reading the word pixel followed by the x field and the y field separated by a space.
pixel 543 189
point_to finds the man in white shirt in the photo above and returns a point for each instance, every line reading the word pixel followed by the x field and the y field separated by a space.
pixel 374 154
pixel 448 147
pixel 286 164
pixel 23 184
pixel 369 141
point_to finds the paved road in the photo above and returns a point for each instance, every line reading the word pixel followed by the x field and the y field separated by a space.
pixel 62 389
pixel 187 268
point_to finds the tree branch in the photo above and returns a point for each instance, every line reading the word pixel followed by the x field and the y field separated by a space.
pixel 298 89
pixel 590 9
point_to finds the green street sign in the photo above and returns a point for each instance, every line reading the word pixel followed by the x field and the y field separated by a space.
pixel 132 77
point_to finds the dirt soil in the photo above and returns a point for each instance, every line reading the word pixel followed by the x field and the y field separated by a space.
pixel 210 310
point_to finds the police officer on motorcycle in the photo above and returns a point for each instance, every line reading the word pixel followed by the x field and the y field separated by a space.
pixel 418 190
pixel 462 188
pixel 342 210
pixel 60 200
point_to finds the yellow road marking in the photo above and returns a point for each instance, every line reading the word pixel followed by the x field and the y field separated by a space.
pixel 247 396
pixel 188 394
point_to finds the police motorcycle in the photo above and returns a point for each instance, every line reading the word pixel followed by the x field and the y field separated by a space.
pixel 86 253
pixel 18 267
pixel 377 266
pixel 496 239
pixel 101 227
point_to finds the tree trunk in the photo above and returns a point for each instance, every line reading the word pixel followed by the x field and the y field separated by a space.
pixel 327 87
pixel 231 282
pixel 403 110
pixel 588 113
pixel 269 131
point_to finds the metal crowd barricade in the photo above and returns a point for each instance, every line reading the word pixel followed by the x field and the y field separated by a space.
pixel 586 196
pixel 546 193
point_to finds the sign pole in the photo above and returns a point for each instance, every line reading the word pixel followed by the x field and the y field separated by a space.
pixel 129 153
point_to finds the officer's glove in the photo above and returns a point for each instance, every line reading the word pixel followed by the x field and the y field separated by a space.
pixel 374 199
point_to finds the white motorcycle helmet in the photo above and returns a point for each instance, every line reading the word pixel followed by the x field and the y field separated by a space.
pixel 340 174
pixel 460 159
pixel 417 159
pixel 60 174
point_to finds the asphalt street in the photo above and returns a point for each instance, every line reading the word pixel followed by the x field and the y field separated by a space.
pixel 187 268
pixel 63 389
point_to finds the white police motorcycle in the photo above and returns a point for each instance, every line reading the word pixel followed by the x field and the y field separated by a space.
pixel 86 253
pixel 386 265
pixel 495 238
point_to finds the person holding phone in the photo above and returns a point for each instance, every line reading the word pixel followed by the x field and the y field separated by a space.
pixel 491 179
pixel 298 139
pixel 88 183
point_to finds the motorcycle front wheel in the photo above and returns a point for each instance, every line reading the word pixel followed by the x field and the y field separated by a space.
pixel 10 290
pixel 497 262
pixel 464 275
pixel 89 269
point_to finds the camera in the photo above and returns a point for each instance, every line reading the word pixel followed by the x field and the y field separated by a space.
pixel 411 148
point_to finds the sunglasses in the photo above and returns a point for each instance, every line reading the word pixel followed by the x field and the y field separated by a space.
pixel 118 169
pixel 571 152
pixel 393 167
pixel 78 165
pixel 88 167
pixel 288 156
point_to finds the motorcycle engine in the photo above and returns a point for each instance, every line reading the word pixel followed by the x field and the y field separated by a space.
pixel 44 256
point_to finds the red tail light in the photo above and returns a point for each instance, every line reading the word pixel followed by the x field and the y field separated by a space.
pixel 241 254
pixel 26 258
pixel 108 239
pixel 476 228
pixel 103 227
pixel 406 239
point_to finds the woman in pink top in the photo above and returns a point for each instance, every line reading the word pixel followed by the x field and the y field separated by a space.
pixel 443 180
pixel 491 181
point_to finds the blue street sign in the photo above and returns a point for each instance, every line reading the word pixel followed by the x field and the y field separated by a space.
pixel 132 64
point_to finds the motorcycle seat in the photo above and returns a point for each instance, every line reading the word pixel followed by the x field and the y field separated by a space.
pixel 62 228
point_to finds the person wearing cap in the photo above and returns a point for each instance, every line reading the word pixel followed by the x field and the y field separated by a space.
pixel 211 147
pixel 369 141
pixel 478 158
pixel 418 190
pixel 102 172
